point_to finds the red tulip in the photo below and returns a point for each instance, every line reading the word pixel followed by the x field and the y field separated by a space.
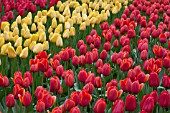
pixel 10 101
pixel 64 55
pixel 68 104
pixel 25 99
pixel 113 94
pixel 136 87
pixel 117 22
pixel 57 110
pixel 43 65
pixel 18 90
pixel 142 78
pixel 75 110
pixel 164 99
pixel 154 94
pixel 166 81
pixel 82 61
pixel 75 60
pixel 17 78
pixel 97 41
pixel 147 103
pixel 118 107
pixel 144 55
pixel 4 81
pixel 104 26
pixel 75 97
pixel 89 57
pixel 54 84
pixel 98 82
pixel 130 103
pixel 40 106
pixel 71 52
pixel 49 72
pixel 10 15
pixel 90 78
pixel 166 62
pixel 126 85
pixel 48 100
pixel 89 39
pixel 80 42
pixel 82 76
pixel 116 43
pixel 21 12
pixel 100 106
pixel 59 70
pixel 89 87
pixel 114 57
pixel 60 91
pixel 125 65
pixel 39 92
pixel 111 83
pixel 162 38
pixel 117 33
pixel 131 33
pixel 85 98
pixel 95 54
pixel 69 80
pixel 83 49
pixel 106 69
pixel 154 79
pixel 103 55
pixel 107 46
pixel 99 63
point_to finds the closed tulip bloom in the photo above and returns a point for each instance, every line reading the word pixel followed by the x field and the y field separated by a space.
pixel 17 89
pixel 64 55
pixel 83 49
pixel 113 94
pixel 104 26
pixel 99 63
pixel 154 94
pixel 17 78
pixel 103 55
pixel 48 100
pixel 68 104
pixel 164 99
pixel 166 62
pixel 97 41
pixel 25 99
pixel 82 59
pixel 162 38
pixel 147 103
pixel 57 110
pixel 100 106
pixel 115 43
pixel 40 106
pixel 89 39
pixel 154 79
pixel 130 103
pixel 131 33
pixel 136 87
pixel 89 57
pixel 54 84
pixel 75 110
pixel 49 72
pixel 90 78
pixel 69 80
pixel 126 85
pixel 106 69
pixel 80 42
pixel 89 87
pixel 82 76
pixel 75 97
pixel 10 101
pixel 95 54
pixel 166 81
pixel 43 65
pixel 118 107
pixel 144 55
pixel 59 70
pixel 4 81
pixel 85 98
pixel 75 60
pixel 98 82
pixel 107 46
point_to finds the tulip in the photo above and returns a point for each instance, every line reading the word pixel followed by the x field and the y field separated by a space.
pixel 106 69
pixel 57 110
pixel 59 70
pixel 69 80
pixel 164 99
pixel 100 106
pixel 83 49
pixel 82 76
pixel 154 94
pixel 89 57
pixel 75 60
pixel 4 82
pixel 89 87
pixel 80 42
pixel 25 99
pixel 75 110
pixel 147 103
pixel 97 41
pixel 113 94
pixel 43 65
pixel 166 81
pixel 99 63
pixel 95 54
pixel 10 101
pixel 85 98
pixel 154 79
pixel 48 100
pixel 130 103
pixel 90 78
pixel 144 55
pixel 75 97
pixel 40 106
pixel 126 84
pixel 89 39
pixel 18 90
pixel 98 82
pixel 136 87
pixel 54 84
pixel 162 38
pixel 68 104
pixel 103 55
pixel 64 55
pixel 107 46
pixel 118 107
pixel 166 62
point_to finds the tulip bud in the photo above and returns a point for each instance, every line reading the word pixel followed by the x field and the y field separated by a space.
pixel 25 99
pixel 69 80
pixel 64 55
pixel 82 61
pixel 106 69
pixel 82 76
pixel 75 60
pixel 166 81
pixel 89 87
pixel 89 57
pixel 147 103
pixel 144 55
pixel 75 110
pixel 83 49
pixel 118 107
pixel 113 94
pixel 130 103
pixel 136 87
pixel 68 104
pixel 154 79
pixel 98 82
pixel 103 55
pixel 11 52
pixel 40 106
pixel 54 84
pixel 57 110
pixel 107 46
pixel 164 99
pixel 10 101
pixel 100 106
pixel 85 98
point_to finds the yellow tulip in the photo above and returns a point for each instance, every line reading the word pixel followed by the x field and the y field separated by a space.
pixel 38 48
pixel 33 27
pixel 24 53
pixel 59 4
pixel 74 18
pixel 29 15
pixel 27 34
pixel 50 35
pixel 18 42
pixel 67 11
pixel 54 23
pixel 57 14
pixel 82 26
pixel 100 3
pixel 53 14
pixel 93 20
pixel 50 29
pixel 85 7
pixel 78 9
pixel 28 20
pixel 96 7
pixel 2 41
pixel 61 8
pixel 39 14
pixel 87 22
pixel 31 46
pixel 72 4
pixel 72 31
pixel 6 28
pixel 70 22
pixel 34 37
pixel 45 45
pixel 119 5
pixel 13 25
pixel 15 31
pixel 61 18
pixel 115 10
pixel 11 52
pixel 108 13
pixel 54 37
pixel 59 28
pixel 44 12
pixel 6 36
pixel 15 38
pixel 18 19
pixel 125 2
pixel 4 48
pixel 79 20
pixel 27 42
pixel 107 7
pixel 59 42
pixel 18 50
pixel 67 25
pixel 36 19
pixel 66 33
pixel 84 17
pixel 42 37
pixel 121 1
pixel 4 24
